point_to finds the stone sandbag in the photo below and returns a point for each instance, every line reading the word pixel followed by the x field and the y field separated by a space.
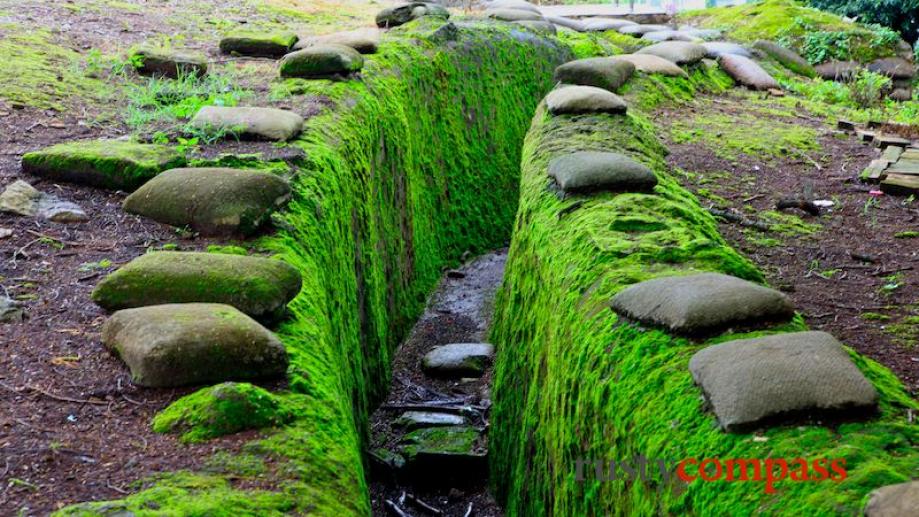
pixel 784 377
pixel 668 35
pixel 574 100
pixel 901 94
pixel 591 171
pixel 193 343
pixel 702 304
pixel 842 71
pixel 602 72
pixel 716 49
pixel 211 201
pixel 570 23
pixel 893 67
pixel 607 24
pixel 251 123
pixel 518 5
pixel 540 27
pixel 651 64
pixel 679 52
pixel 702 34
pixel 403 13
pixel 365 41
pixel 786 57
pixel 747 72
pixel 258 45
pixel 638 30
pixel 513 15
pixel 323 60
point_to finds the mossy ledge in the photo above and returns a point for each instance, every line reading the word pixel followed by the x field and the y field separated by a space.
pixel 416 164
pixel 572 382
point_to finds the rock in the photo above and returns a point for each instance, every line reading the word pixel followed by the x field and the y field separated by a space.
pixel 513 15
pixel 252 123
pixel 404 13
pixel 168 63
pixel 112 164
pixel 226 408
pixel 606 24
pixel 5 233
pixel 572 100
pixel 893 67
pixel 668 35
pixel 897 500
pixel 321 61
pixel 590 171
pixel 444 455
pixel 539 27
pixel 747 72
pixel 23 199
pixel 679 52
pixel 638 30
pixel 416 419
pixel 702 304
pixel 901 94
pixel 716 49
pixel 570 23
pixel 10 311
pixel 365 41
pixel 651 64
pixel 519 5
pixel 602 72
pixel 258 45
pixel 458 360
pixel 842 71
pixel 384 462
pixel 259 287
pixel 209 200
pixel 787 58
pixel 753 382
pixel 193 343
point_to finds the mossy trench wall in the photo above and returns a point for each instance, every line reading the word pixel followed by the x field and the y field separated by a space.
pixel 574 383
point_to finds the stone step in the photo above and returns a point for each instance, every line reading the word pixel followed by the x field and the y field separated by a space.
pixel 591 171
pixel 193 343
pixel 679 52
pixel 900 184
pixel 576 100
pixel 702 304
pixel 444 455
pixel 601 72
pixel 258 45
pixel 211 201
pixel 249 122
pixel 416 419
pixel 111 164
pixel 458 360
pixel 259 287
pixel 782 378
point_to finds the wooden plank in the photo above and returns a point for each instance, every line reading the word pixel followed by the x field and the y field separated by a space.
pixel 899 184
pixel 875 171
pixel 903 167
pixel 892 153
pixel 865 136
pixel 885 141
pixel 910 154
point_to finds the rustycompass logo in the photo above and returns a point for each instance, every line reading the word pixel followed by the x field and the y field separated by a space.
pixel 677 475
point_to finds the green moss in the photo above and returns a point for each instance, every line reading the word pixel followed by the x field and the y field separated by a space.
pixel 656 89
pixel 874 316
pixel 440 440
pixel 227 250
pixel 796 26
pixel 573 383
pixel 110 164
pixel 222 409
pixel 907 235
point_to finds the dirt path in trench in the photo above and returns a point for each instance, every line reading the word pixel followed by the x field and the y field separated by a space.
pixel 855 275
pixel 459 311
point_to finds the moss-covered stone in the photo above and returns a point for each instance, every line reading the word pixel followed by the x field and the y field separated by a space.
pixel 365 41
pixel 601 72
pixel 257 286
pixel 193 343
pixel 212 201
pixel 148 60
pixel 404 13
pixel 258 45
pixel 112 164
pixel 222 409
pixel 249 122
pixel 321 61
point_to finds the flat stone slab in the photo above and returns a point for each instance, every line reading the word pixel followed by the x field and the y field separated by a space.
pixel 702 304
pixel 444 454
pixel 257 286
pixel 252 123
pixel 404 13
pixel 417 419
pixel 111 164
pixel 458 360
pixel 212 201
pixel 898 500
pixel 513 15
pixel 900 184
pixel 601 72
pixel 747 72
pixel 786 57
pixel 591 171
pixel 365 41
pixel 784 377
pixel 651 64
pixel 258 45
pixel 194 343
pixel 23 199
pixel 168 63
pixel 574 100
pixel 679 52
pixel 718 48
pixel 322 60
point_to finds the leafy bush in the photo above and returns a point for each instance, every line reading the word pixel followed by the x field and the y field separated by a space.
pixel 900 15
pixel 868 89
pixel 818 46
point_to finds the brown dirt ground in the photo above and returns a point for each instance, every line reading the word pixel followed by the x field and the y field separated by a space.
pixel 799 264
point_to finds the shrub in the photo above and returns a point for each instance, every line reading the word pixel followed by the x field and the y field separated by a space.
pixel 868 88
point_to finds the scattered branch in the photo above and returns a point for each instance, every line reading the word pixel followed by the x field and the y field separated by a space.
pixel 801 204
